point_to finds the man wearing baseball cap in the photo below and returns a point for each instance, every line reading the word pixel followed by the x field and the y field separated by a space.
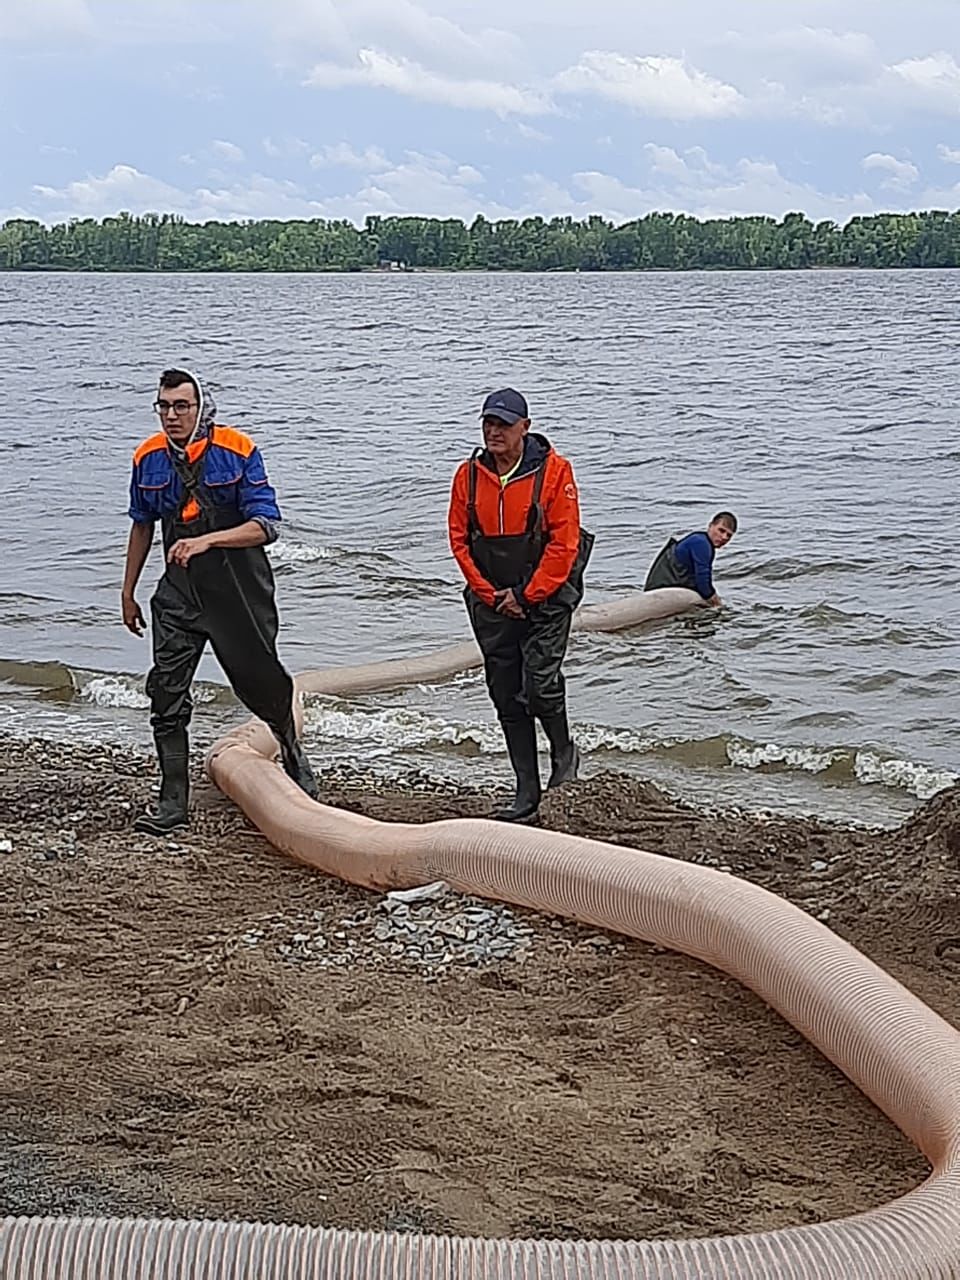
pixel 514 527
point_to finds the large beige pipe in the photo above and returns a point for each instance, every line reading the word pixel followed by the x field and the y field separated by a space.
pixel 897 1050
pixel 615 615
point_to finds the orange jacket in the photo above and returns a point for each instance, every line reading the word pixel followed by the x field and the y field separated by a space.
pixel 503 509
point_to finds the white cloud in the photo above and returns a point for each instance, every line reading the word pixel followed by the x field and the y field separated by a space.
pixel 285 149
pixel 693 183
pixel 698 159
pixel 341 155
pixel 933 81
pixel 229 151
pixel 655 86
pixel 407 29
pixel 428 185
pixel 837 78
pixel 435 185
pixel 900 174
pixel 382 71
pixel 126 187
pixel 529 134
pixel 950 154
pixel 433 38
pixel 666 161
pixel 815 56
pixel 758 187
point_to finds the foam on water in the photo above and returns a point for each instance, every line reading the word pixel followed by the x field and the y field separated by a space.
pixel 288 553
pixel 385 731
pixel 113 691
pixel 917 779
pixel 128 692
pixel 866 767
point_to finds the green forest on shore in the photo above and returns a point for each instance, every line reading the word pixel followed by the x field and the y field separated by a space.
pixel 659 241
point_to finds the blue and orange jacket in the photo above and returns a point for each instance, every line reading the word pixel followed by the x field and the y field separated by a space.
pixel 504 508
pixel 234 480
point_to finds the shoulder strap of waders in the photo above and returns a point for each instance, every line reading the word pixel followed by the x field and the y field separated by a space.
pixel 473 524
pixel 535 515
pixel 191 475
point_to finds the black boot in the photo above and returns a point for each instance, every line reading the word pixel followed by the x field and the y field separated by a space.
pixel 171 812
pixel 521 736
pixel 564 755
pixel 295 762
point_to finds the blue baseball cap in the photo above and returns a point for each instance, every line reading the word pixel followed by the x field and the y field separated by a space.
pixel 507 405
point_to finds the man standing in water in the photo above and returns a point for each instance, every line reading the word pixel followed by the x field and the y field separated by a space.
pixel 207 486
pixel 689 562
pixel 514 528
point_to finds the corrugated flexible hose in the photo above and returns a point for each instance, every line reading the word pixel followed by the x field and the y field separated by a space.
pixel 889 1043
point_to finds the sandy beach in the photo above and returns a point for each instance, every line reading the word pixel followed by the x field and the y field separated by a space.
pixel 202 1028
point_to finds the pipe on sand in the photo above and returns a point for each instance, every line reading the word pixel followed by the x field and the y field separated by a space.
pixel 899 1052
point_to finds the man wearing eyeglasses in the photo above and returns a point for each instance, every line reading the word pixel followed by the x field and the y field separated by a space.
pixel 207 487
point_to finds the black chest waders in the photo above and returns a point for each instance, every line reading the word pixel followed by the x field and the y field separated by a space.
pixel 523 657
pixel 507 559
pixel 667 571
pixel 225 596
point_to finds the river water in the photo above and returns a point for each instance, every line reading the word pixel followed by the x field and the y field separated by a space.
pixel 821 407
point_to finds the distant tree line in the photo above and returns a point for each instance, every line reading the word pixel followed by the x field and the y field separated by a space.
pixel 665 241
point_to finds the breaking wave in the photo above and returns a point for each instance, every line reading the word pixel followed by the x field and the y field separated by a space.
pixel 350 728
pixel 288 553
pixel 128 691
pixel 383 731
pixel 54 681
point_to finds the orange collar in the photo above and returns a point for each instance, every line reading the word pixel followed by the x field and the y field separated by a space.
pixel 194 450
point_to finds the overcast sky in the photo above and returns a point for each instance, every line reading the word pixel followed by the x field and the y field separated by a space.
pixel 340 108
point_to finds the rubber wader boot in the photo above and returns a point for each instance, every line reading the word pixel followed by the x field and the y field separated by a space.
pixel 564 755
pixel 171 812
pixel 521 736
pixel 295 762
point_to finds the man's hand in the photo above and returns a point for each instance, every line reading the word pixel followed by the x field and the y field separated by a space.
pixel 132 617
pixel 715 602
pixel 505 602
pixel 183 551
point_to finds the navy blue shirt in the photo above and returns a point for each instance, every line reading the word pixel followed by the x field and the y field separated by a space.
pixel 695 553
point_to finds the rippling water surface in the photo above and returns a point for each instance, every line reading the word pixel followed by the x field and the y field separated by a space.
pixel 821 407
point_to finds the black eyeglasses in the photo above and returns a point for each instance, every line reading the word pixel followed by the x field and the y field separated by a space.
pixel 179 407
